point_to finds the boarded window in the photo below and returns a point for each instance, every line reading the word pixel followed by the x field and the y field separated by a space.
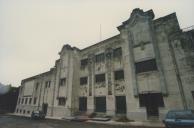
pixel 100 58
pixel 83 80
pixel 100 78
pixel 84 63
pixel 62 82
pixel 119 75
pixel 35 100
pixel 62 101
pixel 117 53
pixel 145 66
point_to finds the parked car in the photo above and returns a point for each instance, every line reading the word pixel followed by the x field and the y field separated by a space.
pixel 38 115
pixel 179 118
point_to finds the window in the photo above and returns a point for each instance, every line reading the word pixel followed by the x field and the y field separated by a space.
pixel 28 112
pixel 117 53
pixel 16 110
pixel 20 111
pixel 100 78
pixel 100 58
pixel 35 100
pixel 62 82
pixel 62 101
pixel 83 80
pixel 145 66
pixel 37 84
pixel 119 75
pixel 30 100
pixel 24 111
pixel 47 84
pixel 19 101
pixel 22 100
pixel 84 63
pixel 26 100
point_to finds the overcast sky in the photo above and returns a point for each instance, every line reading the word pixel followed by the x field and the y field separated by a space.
pixel 32 32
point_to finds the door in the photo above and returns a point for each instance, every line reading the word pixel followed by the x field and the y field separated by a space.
pixel 120 104
pixel 100 104
pixel 44 108
pixel 152 102
pixel 82 104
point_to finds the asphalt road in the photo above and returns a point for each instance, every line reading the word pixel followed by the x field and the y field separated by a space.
pixel 23 122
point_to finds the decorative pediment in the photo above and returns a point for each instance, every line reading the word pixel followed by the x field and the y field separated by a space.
pixel 137 15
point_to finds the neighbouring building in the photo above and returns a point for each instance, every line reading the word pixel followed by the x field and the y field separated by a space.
pixel 8 98
pixel 142 72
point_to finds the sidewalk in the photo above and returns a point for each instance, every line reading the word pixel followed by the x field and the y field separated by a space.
pixel 111 122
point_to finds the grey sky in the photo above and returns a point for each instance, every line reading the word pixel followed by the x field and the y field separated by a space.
pixel 32 32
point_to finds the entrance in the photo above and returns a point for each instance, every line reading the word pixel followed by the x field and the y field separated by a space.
pixel 152 102
pixel 44 108
pixel 82 104
pixel 100 103
pixel 120 104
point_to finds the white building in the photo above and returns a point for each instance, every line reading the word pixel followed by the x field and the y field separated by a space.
pixel 143 72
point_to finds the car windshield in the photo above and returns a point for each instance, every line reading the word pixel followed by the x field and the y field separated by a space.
pixel 180 115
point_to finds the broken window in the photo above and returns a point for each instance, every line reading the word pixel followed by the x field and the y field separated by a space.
pixel 62 82
pixel 119 75
pixel 100 78
pixel 30 100
pixel 83 80
pixel 62 101
pixel 100 58
pixel 117 53
pixel 145 66
pixel 35 100
pixel 84 63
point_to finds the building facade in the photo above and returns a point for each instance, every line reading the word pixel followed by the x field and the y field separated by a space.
pixel 142 72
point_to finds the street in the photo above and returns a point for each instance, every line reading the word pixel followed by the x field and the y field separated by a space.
pixel 23 122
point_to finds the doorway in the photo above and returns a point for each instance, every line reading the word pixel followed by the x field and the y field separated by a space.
pixel 44 108
pixel 82 104
pixel 120 104
pixel 100 103
pixel 152 102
